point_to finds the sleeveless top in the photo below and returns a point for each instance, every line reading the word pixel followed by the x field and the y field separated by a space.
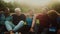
pixel 3 19
pixel 29 20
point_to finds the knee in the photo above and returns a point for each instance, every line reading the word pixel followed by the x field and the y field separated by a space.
pixel 21 21
pixel 6 22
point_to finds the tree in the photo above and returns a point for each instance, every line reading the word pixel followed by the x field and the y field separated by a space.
pixel 55 6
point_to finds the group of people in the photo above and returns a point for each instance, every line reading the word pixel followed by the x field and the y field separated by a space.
pixel 46 22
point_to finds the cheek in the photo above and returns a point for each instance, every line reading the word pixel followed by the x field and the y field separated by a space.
pixel 16 12
pixel 19 12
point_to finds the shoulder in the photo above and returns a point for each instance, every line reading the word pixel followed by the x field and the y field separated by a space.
pixel 14 15
pixel 22 14
pixel 38 15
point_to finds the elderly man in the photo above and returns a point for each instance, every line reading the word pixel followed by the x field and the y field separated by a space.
pixel 18 20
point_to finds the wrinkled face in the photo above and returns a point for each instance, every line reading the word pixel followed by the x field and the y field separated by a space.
pixel 17 12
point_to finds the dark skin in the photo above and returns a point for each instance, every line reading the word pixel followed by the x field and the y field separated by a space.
pixel 6 12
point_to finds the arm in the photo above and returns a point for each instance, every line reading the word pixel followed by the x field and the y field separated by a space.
pixel 33 23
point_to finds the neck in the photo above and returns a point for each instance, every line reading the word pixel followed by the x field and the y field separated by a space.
pixel 18 14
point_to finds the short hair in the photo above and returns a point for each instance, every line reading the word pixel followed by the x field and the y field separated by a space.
pixel 7 8
pixel 17 9
pixel 52 13
pixel 31 10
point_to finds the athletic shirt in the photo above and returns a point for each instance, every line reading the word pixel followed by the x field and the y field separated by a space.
pixel 29 20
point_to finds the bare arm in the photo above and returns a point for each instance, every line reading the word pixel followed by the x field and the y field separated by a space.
pixel 33 22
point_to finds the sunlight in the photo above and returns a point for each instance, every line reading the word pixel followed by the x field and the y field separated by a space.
pixel 32 3
pixel 8 1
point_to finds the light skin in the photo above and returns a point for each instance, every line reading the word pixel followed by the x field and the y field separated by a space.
pixel 31 12
pixel 18 12
pixel 44 11
pixel 33 23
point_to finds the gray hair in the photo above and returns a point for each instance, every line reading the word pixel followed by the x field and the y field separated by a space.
pixel 17 9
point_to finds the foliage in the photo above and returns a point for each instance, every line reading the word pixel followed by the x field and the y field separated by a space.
pixel 55 6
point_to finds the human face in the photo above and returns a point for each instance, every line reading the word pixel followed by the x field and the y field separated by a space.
pixel 31 12
pixel 18 12
pixel 7 11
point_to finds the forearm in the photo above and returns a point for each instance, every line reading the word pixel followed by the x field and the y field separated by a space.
pixel 33 23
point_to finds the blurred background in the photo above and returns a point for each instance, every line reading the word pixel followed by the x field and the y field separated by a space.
pixel 25 5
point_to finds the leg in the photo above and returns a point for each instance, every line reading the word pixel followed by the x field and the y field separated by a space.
pixel 8 26
pixel 45 30
pixel 16 33
pixel 18 26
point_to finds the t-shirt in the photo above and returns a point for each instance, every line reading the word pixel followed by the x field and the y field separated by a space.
pixel 43 19
pixel 17 19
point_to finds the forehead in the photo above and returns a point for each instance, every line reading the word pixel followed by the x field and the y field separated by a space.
pixel 17 11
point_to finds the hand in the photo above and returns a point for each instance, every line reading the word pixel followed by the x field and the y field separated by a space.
pixel 31 30
pixel 11 32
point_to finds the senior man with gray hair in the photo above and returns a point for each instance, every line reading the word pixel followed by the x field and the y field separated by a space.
pixel 18 20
